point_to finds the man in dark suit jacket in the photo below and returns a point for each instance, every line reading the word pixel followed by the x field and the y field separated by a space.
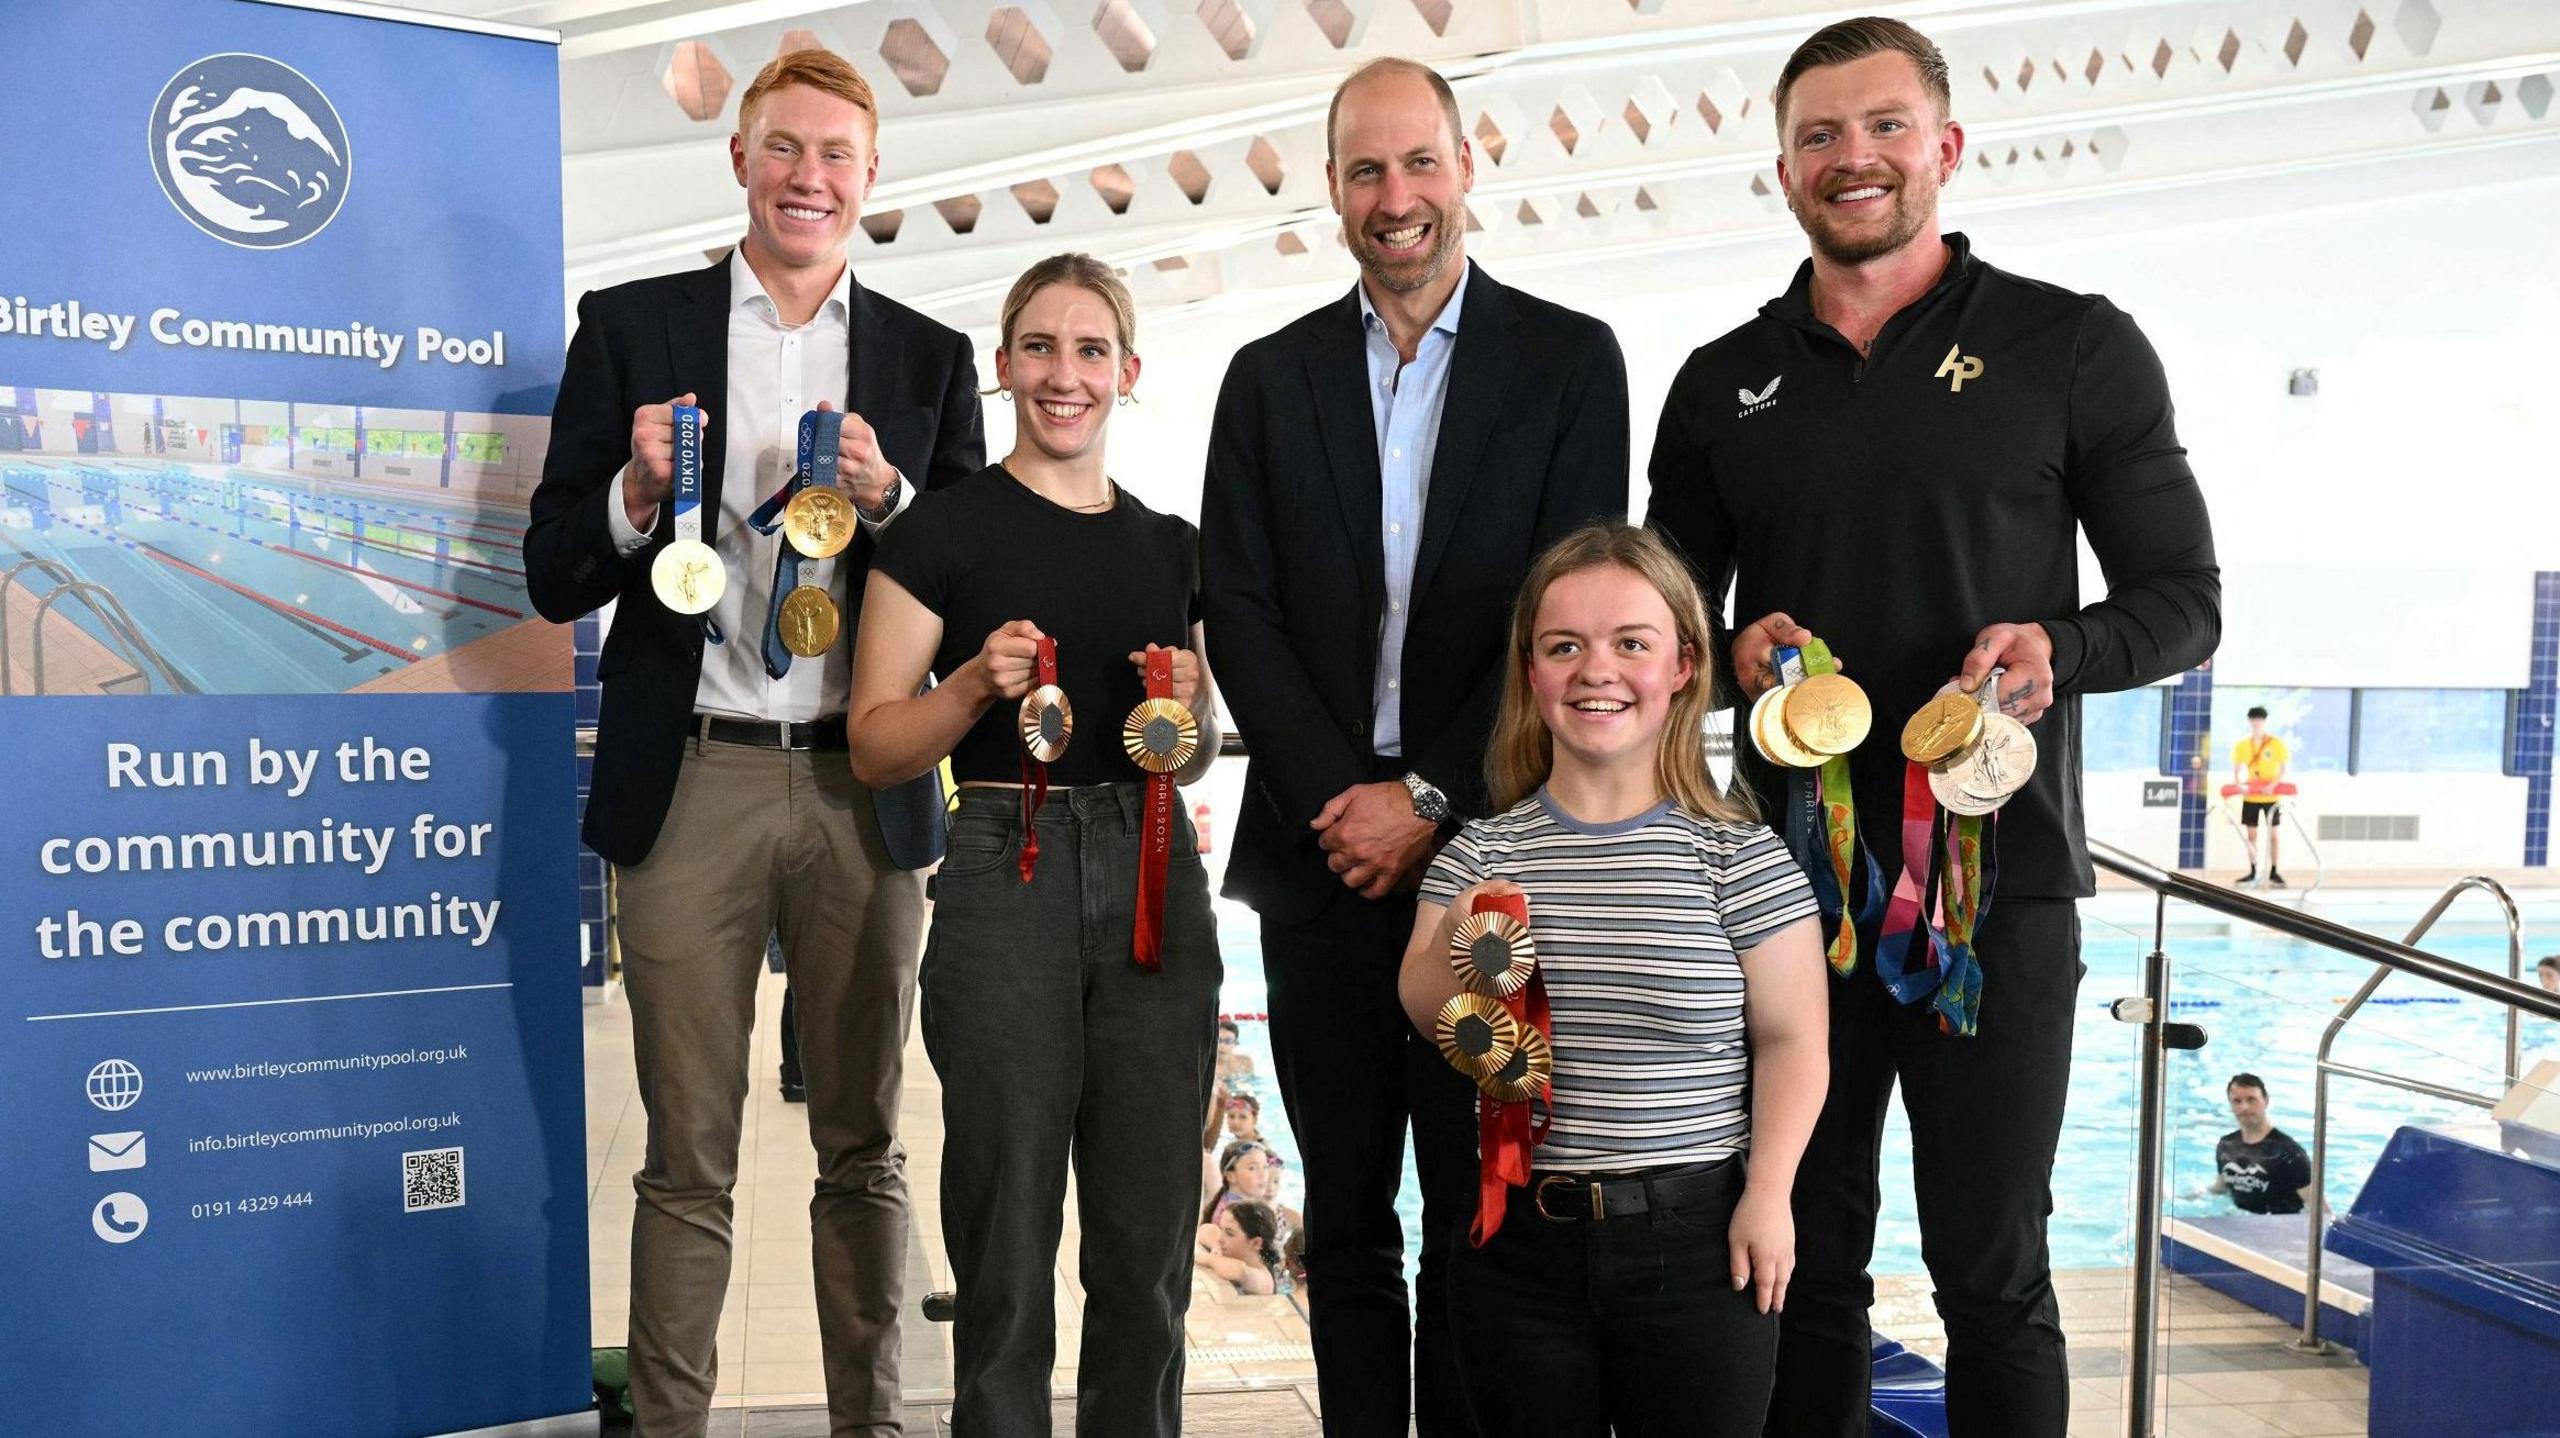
pixel 1381 473
pixel 722 791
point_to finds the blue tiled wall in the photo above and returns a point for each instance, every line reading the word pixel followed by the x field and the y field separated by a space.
pixel 591 912
pixel 2536 711
pixel 2187 751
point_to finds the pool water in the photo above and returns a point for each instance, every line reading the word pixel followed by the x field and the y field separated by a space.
pixel 250 582
pixel 2263 1001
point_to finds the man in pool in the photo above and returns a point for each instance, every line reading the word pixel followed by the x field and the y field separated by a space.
pixel 2259 1164
pixel 1919 442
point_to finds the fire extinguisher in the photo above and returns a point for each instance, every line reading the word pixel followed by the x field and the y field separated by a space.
pixel 1200 822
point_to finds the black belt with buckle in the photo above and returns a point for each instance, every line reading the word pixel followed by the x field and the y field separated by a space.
pixel 1588 1198
pixel 827 731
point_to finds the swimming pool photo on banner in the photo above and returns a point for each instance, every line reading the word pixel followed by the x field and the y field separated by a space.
pixel 173 545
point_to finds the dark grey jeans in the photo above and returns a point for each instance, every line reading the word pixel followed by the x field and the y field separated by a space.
pixel 1054 1047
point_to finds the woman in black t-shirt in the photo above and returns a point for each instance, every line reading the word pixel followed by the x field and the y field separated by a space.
pixel 1064 1025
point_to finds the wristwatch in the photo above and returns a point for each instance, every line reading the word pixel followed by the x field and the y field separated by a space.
pixel 1429 804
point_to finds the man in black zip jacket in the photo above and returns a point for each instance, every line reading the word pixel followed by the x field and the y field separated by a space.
pixel 1895 455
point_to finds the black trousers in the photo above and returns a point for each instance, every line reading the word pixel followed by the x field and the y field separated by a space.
pixel 1986 1113
pixel 1353 1073
pixel 1057 1052
pixel 1626 1325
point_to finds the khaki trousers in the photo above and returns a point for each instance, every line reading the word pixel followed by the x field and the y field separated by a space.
pixel 757 839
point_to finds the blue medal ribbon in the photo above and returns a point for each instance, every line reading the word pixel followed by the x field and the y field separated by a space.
pixel 821 431
pixel 688 495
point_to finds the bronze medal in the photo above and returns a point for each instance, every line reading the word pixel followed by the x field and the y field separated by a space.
pixel 809 621
pixel 1477 1035
pixel 1048 723
pixel 1527 1074
pixel 819 522
pixel 1827 714
pixel 1492 954
pixel 1160 735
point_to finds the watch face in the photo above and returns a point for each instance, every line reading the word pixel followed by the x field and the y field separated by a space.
pixel 1428 802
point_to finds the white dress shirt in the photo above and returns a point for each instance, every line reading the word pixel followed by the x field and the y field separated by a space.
pixel 777 373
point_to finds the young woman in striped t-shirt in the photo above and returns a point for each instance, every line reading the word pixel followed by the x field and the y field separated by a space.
pixel 1634 1283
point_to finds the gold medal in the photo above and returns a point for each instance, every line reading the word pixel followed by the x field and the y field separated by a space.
pixel 1827 714
pixel 1751 722
pixel 1477 1035
pixel 1947 724
pixel 1769 730
pixel 1492 954
pixel 818 521
pixel 809 621
pixel 1528 1072
pixel 1048 723
pixel 1160 735
pixel 688 576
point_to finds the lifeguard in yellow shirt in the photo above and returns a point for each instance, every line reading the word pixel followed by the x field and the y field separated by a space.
pixel 2258 764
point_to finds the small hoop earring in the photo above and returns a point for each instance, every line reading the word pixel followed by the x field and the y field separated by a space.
pixel 1004 394
pixel 1128 399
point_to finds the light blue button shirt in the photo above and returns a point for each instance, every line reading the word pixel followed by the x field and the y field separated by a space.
pixel 1406 400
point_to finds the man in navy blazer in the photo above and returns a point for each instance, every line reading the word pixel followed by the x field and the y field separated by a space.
pixel 722 791
pixel 1381 473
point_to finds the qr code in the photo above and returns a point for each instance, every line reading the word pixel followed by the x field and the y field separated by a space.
pixel 431 1178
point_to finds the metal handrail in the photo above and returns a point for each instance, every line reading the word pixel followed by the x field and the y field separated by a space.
pixel 2324 932
pixel 9 579
pixel 2322 1067
pixel 2152 1011
pixel 118 620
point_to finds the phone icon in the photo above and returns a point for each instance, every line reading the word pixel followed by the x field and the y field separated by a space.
pixel 120 1217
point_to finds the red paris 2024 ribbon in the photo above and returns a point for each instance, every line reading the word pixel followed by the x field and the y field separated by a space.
pixel 1508 1133
pixel 1155 838
pixel 1035 773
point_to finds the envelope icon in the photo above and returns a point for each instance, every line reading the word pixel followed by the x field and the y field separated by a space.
pixel 111 1151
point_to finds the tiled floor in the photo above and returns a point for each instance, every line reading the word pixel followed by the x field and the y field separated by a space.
pixel 2228 1370
pixel 769 1326
pixel 74 663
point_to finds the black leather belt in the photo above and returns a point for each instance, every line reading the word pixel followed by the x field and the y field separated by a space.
pixel 824 732
pixel 1588 1198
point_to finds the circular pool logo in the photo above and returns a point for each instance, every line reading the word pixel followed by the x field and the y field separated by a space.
pixel 250 151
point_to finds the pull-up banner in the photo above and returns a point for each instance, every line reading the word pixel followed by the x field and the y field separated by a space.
pixel 290 1100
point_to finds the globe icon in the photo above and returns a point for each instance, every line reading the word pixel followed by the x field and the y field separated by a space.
pixel 115 1085
pixel 250 151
